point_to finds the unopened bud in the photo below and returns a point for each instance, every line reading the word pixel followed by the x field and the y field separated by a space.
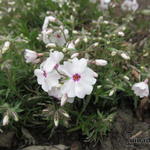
pixel 77 41
pixel 125 56
pixel 52 19
pixel 74 55
pixel 96 44
pixel 51 45
pixel 100 62
pixel 63 112
pixel 15 116
pixel 64 99
pixel 85 39
pixel 5 120
pixel 111 92
pixel 56 119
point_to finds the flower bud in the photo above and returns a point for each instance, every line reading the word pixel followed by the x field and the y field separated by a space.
pixel 113 53
pixel 126 78
pixel 52 19
pixel 5 47
pixel 111 92
pixel 64 99
pixel 30 55
pixel 5 120
pixel 56 119
pixel 100 62
pixel 15 116
pixel 125 56
pixel 121 33
pixel 71 45
pixel 85 39
pixel 51 45
pixel 77 41
pixel 96 44
pixel 64 113
pixel 74 55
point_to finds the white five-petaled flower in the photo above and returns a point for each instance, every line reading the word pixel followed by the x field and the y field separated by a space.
pixel 47 76
pixel 30 56
pixel 81 78
pixel 129 5
pixel 47 79
pixel 141 89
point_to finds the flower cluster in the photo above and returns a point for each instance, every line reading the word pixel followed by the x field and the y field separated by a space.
pixel 127 5
pixel 65 81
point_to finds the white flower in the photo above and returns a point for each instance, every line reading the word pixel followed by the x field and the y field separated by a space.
pixel 52 62
pixel 81 78
pixel 100 62
pixel 141 89
pixel 30 55
pixel 47 79
pixel 49 36
pixel 129 5
pixel 125 56
pixel 47 76
pixel 57 37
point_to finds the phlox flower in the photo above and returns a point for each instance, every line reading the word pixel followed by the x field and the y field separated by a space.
pixel 47 79
pixel 47 76
pixel 58 37
pixel 141 89
pixel 52 62
pixel 129 5
pixel 80 78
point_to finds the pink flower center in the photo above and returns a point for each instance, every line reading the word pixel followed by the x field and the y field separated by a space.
pixel 44 74
pixel 58 36
pixel 56 66
pixel 76 77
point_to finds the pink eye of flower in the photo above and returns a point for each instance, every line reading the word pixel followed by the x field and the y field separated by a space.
pixel 76 77
pixel 58 36
pixel 56 66
pixel 44 74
